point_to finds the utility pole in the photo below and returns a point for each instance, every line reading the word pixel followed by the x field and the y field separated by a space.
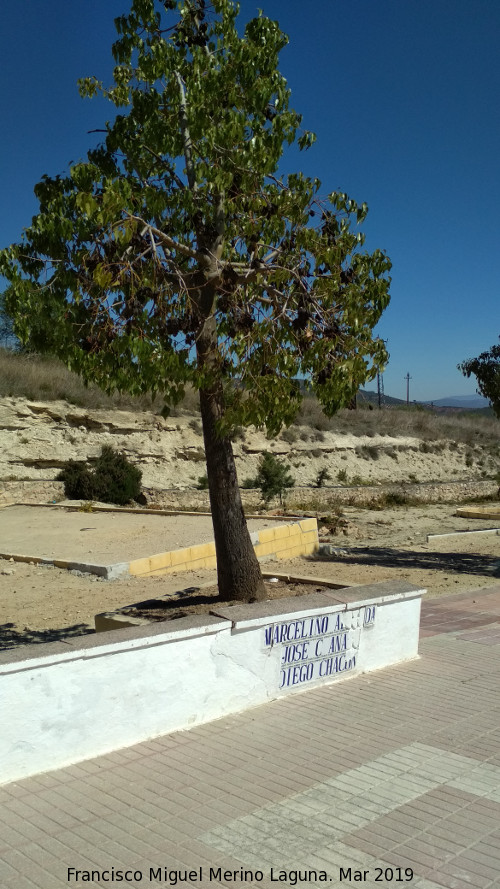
pixel 380 389
pixel 380 385
pixel 408 378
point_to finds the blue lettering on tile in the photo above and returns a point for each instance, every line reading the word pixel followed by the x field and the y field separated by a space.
pixel 316 648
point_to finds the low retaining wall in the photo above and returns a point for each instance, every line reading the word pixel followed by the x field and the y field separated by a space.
pixel 322 498
pixel 65 702
pixel 285 541
pixel 328 498
pixel 29 491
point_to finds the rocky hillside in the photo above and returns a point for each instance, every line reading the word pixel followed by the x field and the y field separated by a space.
pixel 36 438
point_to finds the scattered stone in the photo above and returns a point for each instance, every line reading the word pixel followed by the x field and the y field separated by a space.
pixel 8 571
pixel 326 549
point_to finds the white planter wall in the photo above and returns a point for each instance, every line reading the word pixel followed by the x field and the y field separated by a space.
pixel 62 703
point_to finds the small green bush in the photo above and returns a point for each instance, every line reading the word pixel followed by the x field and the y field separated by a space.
pixel 113 479
pixel 78 481
pixel 273 478
pixel 322 476
pixel 117 480
pixel 202 483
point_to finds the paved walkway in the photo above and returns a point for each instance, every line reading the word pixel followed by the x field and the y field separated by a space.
pixel 392 774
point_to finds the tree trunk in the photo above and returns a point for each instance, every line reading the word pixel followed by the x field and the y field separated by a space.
pixel 238 570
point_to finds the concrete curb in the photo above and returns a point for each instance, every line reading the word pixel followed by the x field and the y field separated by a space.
pixel 462 533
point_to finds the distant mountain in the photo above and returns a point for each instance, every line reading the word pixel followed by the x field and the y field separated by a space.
pixel 364 395
pixel 452 402
pixel 469 402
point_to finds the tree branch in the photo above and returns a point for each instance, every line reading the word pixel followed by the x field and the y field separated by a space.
pixel 186 137
pixel 166 239
pixel 178 181
pixel 220 225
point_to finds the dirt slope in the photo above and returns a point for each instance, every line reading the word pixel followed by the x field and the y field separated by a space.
pixel 36 438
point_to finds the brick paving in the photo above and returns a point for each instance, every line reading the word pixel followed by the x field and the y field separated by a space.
pixel 395 774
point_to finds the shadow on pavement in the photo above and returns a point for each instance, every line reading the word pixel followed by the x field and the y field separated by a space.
pixel 461 563
pixel 11 636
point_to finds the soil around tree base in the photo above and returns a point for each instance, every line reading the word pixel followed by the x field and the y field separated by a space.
pixel 203 601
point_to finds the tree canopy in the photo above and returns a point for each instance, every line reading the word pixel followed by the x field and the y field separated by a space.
pixel 184 195
pixel 178 252
pixel 486 369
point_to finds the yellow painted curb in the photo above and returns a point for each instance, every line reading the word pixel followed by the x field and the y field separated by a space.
pixel 283 542
pixel 471 513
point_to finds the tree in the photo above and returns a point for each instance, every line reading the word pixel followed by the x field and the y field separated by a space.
pixel 486 369
pixel 272 478
pixel 176 253
pixel 6 324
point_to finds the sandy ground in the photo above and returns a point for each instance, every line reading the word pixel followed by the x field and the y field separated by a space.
pixel 40 604
pixel 101 538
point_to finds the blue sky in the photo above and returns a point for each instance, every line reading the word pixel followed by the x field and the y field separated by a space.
pixel 404 98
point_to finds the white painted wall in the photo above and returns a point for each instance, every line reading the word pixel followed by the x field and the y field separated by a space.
pixel 72 701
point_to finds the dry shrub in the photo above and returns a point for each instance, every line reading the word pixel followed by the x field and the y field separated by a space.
pixel 289 435
pixel 40 378
pixel 467 427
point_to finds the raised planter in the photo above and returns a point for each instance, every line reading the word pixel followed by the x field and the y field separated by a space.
pixel 67 701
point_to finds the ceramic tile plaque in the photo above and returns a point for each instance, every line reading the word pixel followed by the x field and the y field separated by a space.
pixel 321 647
